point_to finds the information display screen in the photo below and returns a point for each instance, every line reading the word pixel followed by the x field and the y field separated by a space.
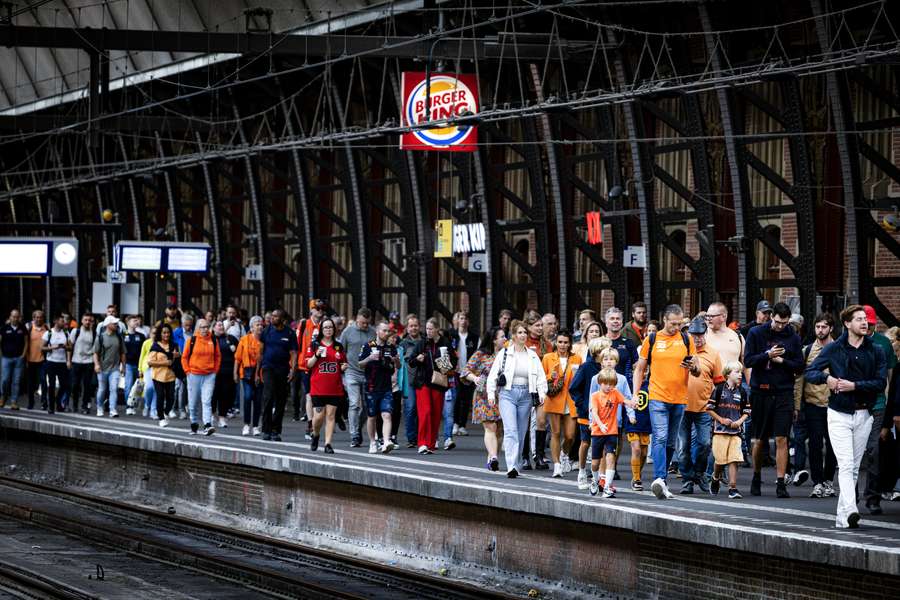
pixel 188 260
pixel 24 258
pixel 140 258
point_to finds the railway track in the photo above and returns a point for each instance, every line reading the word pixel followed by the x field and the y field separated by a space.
pixel 269 567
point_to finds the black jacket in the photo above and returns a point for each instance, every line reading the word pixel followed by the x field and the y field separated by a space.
pixel 431 350
pixel 868 371
pixel 471 348
pixel 770 376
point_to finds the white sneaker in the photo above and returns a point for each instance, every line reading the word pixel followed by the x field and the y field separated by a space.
pixel 449 444
pixel 182 415
pixel 388 447
pixel 373 448
pixel 223 423
pixel 256 431
pixel 582 480
pixel 609 492
pixel 113 414
pixel 129 411
pixel 818 491
pixel 557 470
pixel 455 429
pixel 245 430
pixel 164 423
pixel 423 449
pixel 830 492
pixel 649 460
pixel 660 489
pixel 594 487
pixel 100 413
pixel 462 431
pixel 173 414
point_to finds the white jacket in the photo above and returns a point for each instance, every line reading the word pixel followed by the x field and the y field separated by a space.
pixel 537 379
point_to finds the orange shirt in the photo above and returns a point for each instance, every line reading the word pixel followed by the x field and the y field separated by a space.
pixel 605 408
pixel 304 339
pixel 247 353
pixel 35 341
pixel 201 355
pixel 668 381
pixel 539 345
pixel 700 388
pixel 553 368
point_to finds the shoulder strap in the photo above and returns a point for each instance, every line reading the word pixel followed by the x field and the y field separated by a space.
pixel 806 350
pixel 650 347
pixel 687 342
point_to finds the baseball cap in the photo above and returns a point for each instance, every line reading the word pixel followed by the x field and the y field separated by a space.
pixel 316 303
pixel 797 318
pixel 764 306
pixel 871 317
pixel 697 326
pixel 394 315
pixel 110 320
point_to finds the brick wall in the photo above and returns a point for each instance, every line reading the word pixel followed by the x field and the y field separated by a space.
pixel 887 265
pixel 789 241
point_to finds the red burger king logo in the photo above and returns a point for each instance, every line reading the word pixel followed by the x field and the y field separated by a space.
pixel 451 96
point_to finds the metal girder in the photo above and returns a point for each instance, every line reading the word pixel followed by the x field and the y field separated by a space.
pixel 352 186
pixel 740 195
pixel 285 44
pixel 215 224
pixel 175 214
pixel 138 219
pixel 33 123
pixel 491 235
pixel 642 178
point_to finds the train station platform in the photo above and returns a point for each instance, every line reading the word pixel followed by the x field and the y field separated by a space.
pixel 448 513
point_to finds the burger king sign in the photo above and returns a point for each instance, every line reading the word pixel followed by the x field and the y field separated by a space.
pixel 452 95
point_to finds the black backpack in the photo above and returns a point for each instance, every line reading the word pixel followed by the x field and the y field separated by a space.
pixel 684 338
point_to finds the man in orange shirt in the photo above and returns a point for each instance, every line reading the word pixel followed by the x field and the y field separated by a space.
pixel 668 355
pixel 696 425
pixel 307 330
pixel 201 360
pixel 35 370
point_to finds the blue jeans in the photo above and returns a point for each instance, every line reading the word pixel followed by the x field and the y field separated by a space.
pixel 696 437
pixel 131 373
pixel 108 381
pixel 180 394
pixel 149 394
pixel 200 393
pixel 410 417
pixel 252 402
pixel 798 443
pixel 515 410
pixel 449 404
pixel 665 419
pixel 11 378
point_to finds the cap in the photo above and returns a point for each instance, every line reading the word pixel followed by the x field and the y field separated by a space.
pixel 764 306
pixel 110 320
pixel 797 318
pixel 394 315
pixel 871 317
pixel 316 303
pixel 697 326
pixel 171 305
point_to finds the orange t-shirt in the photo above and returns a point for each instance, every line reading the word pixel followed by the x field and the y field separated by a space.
pixel 700 388
pixel 35 342
pixel 605 407
pixel 304 339
pixel 668 381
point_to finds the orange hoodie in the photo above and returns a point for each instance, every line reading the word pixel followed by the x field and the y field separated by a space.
pixel 201 355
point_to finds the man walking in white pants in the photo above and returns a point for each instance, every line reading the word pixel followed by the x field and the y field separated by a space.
pixel 857 373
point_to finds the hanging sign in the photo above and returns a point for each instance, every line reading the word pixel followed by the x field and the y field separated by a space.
pixel 468 237
pixel 594 227
pixel 443 245
pixel 451 95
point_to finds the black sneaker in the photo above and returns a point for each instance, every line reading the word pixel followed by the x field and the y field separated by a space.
pixel 195 427
pixel 734 494
pixel 527 466
pixel 616 476
pixel 853 520
pixel 411 445
pixel 800 477
pixel 267 437
pixel 781 490
pixel 874 506
pixel 314 445
pixel 355 443
pixel 512 474
pixel 756 485
pixel 494 464
pixel 540 463
pixel 714 486
pixel 687 487
pixel 342 425
pixel 329 449
pixel 276 437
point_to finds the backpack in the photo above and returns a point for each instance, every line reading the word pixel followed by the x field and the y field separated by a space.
pixel 684 338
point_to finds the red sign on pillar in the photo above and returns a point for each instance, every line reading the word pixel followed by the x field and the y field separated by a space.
pixel 451 95
pixel 594 227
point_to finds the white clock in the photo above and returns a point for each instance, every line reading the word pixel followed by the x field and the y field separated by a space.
pixel 65 253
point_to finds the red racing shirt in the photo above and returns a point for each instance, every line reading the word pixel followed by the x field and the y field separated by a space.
pixel 325 375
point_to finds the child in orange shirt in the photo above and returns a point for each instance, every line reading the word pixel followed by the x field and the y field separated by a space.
pixel 604 410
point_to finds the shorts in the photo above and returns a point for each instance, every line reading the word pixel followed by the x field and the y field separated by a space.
pixel 323 401
pixel 584 431
pixel 772 414
pixel 603 444
pixel 726 448
pixel 643 437
pixel 379 402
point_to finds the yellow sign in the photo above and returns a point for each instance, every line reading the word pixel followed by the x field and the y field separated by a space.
pixel 443 245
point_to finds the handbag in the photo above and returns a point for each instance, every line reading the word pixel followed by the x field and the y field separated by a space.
pixel 438 378
pixel 555 386
pixel 439 369
pixel 501 379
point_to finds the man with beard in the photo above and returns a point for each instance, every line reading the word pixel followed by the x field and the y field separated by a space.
pixel 636 328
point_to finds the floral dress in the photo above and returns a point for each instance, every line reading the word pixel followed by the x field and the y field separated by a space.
pixel 483 410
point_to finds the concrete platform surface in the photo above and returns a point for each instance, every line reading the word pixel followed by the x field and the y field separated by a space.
pixel 798 528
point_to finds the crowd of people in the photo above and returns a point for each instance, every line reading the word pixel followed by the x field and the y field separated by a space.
pixel 692 397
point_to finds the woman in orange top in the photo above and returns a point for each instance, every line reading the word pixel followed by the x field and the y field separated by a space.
pixel 560 367
pixel 246 357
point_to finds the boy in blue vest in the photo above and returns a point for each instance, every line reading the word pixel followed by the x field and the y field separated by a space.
pixel 729 408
